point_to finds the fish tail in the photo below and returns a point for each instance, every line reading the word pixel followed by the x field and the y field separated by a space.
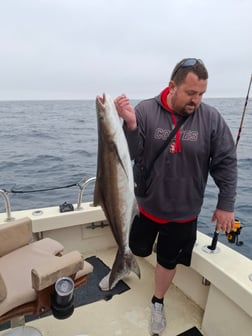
pixel 134 266
pixel 124 263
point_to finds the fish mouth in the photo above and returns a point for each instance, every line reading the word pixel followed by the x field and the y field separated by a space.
pixel 100 102
pixel 101 99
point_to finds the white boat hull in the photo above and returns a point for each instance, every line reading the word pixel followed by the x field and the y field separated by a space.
pixel 220 305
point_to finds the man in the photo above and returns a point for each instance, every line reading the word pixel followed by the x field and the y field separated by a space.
pixel 176 184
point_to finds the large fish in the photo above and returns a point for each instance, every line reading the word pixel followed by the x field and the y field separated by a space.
pixel 114 188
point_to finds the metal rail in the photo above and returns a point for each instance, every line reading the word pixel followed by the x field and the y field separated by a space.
pixel 4 194
pixel 82 188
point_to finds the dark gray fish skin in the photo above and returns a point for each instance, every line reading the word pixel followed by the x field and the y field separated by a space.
pixel 114 188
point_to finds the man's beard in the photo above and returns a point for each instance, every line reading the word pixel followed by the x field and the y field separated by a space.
pixel 184 112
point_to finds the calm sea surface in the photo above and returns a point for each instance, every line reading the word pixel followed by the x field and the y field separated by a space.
pixel 53 144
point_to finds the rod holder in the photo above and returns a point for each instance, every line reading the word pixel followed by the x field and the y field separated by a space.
pixel 213 247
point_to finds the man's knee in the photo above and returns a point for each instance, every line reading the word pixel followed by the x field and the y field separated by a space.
pixel 140 251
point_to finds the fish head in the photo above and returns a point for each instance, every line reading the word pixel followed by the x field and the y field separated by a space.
pixel 104 104
pixel 107 116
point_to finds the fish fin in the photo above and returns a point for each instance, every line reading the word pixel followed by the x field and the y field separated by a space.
pixel 104 283
pixel 124 263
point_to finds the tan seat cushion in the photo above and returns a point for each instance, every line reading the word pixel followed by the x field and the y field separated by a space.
pixel 3 290
pixel 35 265
pixel 14 235
pixel 16 271
pixel 46 274
pixel 87 268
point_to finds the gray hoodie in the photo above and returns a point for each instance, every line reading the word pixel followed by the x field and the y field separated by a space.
pixel 176 185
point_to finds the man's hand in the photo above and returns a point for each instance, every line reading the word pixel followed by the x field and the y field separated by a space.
pixel 126 111
pixel 224 220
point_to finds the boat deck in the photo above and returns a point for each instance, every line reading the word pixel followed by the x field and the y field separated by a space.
pixel 127 313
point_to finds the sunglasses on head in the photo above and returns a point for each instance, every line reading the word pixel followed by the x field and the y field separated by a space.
pixel 189 62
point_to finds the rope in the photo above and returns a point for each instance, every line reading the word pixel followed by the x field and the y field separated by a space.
pixel 13 191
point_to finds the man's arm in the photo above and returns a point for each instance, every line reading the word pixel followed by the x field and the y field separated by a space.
pixel 223 169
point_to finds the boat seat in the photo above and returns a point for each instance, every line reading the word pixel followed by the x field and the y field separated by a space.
pixel 29 270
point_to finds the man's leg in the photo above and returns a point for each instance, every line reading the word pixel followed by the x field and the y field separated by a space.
pixel 174 246
pixel 163 279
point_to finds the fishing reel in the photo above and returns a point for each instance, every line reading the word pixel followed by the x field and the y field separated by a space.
pixel 233 235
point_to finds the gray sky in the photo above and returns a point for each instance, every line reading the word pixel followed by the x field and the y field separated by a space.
pixel 76 49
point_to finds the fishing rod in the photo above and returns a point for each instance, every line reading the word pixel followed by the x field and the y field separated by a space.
pixel 232 236
pixel 243 113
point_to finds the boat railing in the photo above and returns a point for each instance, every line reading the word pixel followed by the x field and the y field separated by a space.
pixel 82 189
pixel 82 186
pixel 5 197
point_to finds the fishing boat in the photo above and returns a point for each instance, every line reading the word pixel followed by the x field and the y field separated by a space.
pixel 213 297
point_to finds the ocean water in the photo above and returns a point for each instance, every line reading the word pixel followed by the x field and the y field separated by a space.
pixel 53 145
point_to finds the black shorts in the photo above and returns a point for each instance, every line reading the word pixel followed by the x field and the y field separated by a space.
pixel 175 241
